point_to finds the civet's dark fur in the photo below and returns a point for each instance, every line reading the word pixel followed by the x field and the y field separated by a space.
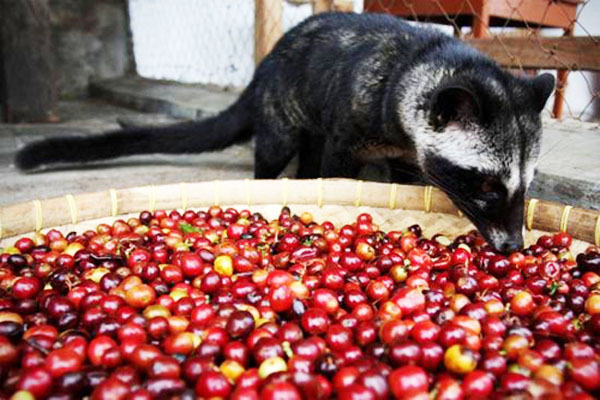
pixel 344 89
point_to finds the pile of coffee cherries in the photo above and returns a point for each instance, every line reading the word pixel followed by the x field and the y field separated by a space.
pixel 221 304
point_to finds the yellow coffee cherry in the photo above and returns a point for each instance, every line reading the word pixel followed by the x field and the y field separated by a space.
pixel 365 252
pixel 224 265
pixel 458 301
pixel 10 250
pixel 178 294
pixel 494 307
pixel 464 247
pixel 22 395
pixel 251 309
pixel 231 369
pixel 180 246
pixel 459 359
pixel 592 304
pixel 95 274
pixel 7 316
pixel 73 248
pixel 271 366
pixel 156 310
pixel 287 348
pixel 299 290
pixel 306 218
pixel 550 373
pixel 178 323
pixel 399 273
pixel 443 240
pixel 513 346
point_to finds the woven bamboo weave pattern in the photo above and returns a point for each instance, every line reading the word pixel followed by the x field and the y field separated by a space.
pixel 394 207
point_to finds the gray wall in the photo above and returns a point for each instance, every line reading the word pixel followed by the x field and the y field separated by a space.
pixel 90 40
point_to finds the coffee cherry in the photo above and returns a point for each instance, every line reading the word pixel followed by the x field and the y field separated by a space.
pixel 213 384
pixel 522 303
pixel 226 304
pixel 586 372
pixel 459 359
pixel 111 389
pixel 140 296
pixel 408 380
pixel 224 265
pixel 478 384
pixel 231 369
pixel 271 366
pixel 280 390
pixel 61 361
pixel 592 304
pixel 281 298
pixel 315 321
pixel 240 324
pixel 26 288
pixel 8 352
pixel 37 381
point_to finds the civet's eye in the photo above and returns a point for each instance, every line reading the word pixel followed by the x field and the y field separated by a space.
pixel 490 184
pixel 491 189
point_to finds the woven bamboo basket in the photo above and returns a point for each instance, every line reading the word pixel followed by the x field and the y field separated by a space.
pixel 393 207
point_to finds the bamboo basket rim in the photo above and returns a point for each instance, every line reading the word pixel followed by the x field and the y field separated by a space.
pixel 35 215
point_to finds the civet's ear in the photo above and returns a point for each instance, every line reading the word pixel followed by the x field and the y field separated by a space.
pixel 543 86
pixel 453 104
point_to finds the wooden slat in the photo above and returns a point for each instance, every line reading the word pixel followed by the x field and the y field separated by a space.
pixel 343 5
pixel 547 13
pixel 320 6
pixel 408 8
pixel 560 14
pixel 333 193
pixel 268 26
pixel 577 53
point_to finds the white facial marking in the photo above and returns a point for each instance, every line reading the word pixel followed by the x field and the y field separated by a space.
pixel 529 172
pixel 460 146
pixel 480 203
pixel 513 181
pixel 497 237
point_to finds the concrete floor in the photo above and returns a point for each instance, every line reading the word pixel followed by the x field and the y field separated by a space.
pixel 569 168
pixel 94 116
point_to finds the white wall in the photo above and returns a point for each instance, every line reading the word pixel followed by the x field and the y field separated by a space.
pixel 205 41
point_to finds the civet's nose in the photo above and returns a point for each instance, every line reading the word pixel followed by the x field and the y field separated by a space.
pixel 510 246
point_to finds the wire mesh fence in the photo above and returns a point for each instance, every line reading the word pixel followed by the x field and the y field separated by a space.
pixel 519 35
pixel 220 41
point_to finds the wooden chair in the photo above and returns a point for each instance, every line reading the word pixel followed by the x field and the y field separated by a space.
pixel 480 15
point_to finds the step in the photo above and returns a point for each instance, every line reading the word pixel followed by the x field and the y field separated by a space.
pixel 175 99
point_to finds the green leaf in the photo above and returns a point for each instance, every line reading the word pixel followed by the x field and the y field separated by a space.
pixel 187 228
pixel 578 324
pixel 554 288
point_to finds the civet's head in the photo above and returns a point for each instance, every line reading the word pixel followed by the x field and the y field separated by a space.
pixel 477 135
